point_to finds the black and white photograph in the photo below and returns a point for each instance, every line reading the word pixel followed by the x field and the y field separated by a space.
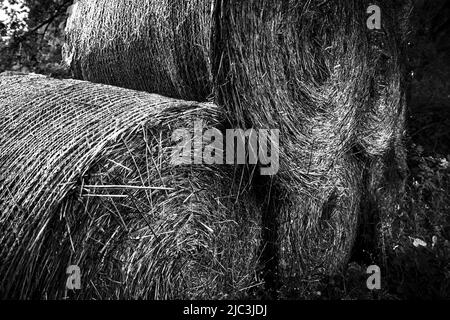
pixel 249 151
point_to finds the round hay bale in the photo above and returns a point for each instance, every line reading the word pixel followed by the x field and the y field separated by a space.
pixel 154 46
pixel 86 179
pixel 335 90
pixel 327 223
pixel 311 69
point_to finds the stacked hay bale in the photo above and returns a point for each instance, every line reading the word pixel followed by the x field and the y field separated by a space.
pixel 86 179
pixel 154 46
pixel 311 69
pixel 334 89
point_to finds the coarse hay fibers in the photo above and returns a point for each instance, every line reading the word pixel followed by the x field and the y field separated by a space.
pixel 86 179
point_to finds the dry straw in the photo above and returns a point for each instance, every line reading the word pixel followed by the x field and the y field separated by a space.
pixel 311 69
pixel 155 46
pixel 86 179
pixel 335 90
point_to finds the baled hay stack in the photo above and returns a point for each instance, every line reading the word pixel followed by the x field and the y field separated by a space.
pixel 154 46
pixel 313 70
pixel 86 179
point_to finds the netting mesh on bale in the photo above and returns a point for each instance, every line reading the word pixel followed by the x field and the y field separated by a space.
pixel 86 179
pixel 311 69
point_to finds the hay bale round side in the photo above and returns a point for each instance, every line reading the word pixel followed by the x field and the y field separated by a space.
pixel 311 69
pixel 86 179
pixel 316 234
pixel 153 46
pixel 334 89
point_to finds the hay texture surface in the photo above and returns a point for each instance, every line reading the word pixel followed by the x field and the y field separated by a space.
pixel 154 46
pixel 311 69
pixel 334 89
pixel 86 179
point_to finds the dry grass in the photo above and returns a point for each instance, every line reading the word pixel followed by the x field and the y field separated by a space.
pixel 154 46
pixel 86 179
pixel 311 69
pixel 335 90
